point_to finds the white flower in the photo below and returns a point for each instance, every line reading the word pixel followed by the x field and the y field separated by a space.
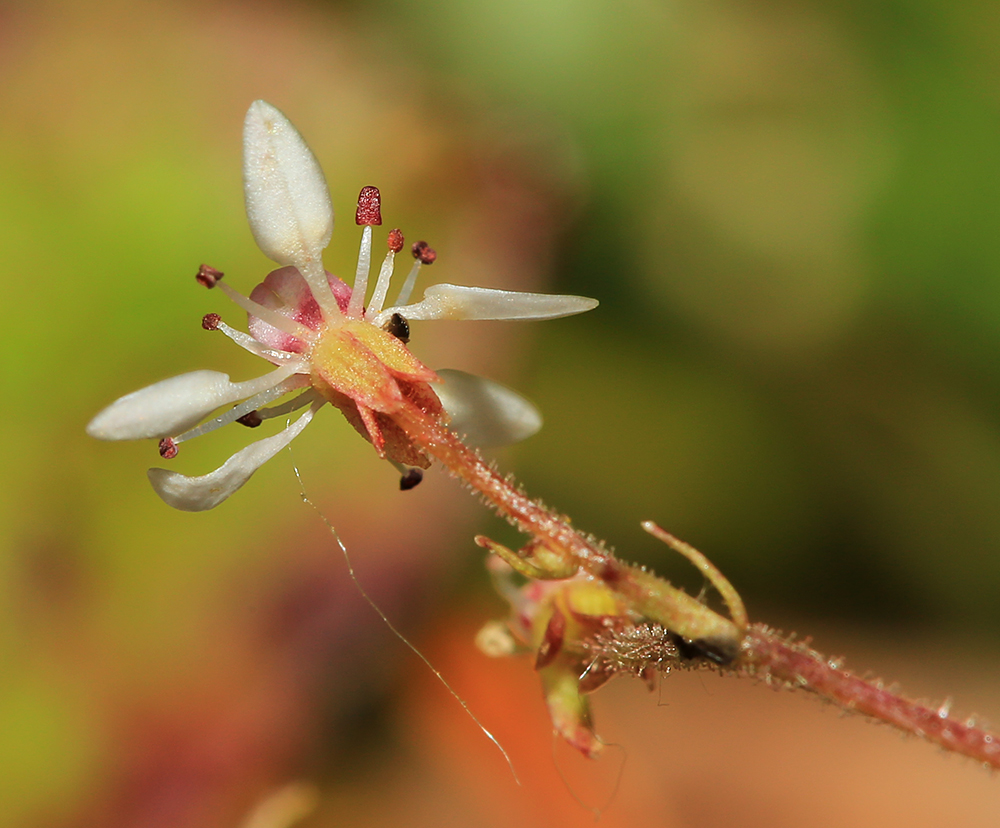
pixel 323 339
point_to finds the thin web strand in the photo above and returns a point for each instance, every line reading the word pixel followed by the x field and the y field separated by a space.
pixel 597 810
pixel 371 602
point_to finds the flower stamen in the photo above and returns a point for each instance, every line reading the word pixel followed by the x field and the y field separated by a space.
pixel 301 401
pixel 213 322
pixel 258 415
pixel 423 255
pixel 273 318
pixel 208 276
pixel 283 386
pixel 369 213
pixel 395 244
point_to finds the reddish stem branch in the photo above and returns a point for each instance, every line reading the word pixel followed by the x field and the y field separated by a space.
pixel 648 595
pixel 762 652
pixel 526 514
pixel 766 655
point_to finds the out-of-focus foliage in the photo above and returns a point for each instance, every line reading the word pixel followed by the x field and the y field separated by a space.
pixel 789 212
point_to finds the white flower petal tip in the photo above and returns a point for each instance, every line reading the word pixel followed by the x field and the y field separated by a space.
pixel 198 494
pixel 164 408
pixel 287 200
pixel 461 302
pixel 486 412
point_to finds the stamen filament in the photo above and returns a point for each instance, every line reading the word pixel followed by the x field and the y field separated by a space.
pixel 407 289
pixel 252 404
pixel 357 304
pixel 382 285
pixel 272 317
pixel 248 343
pixel 294 404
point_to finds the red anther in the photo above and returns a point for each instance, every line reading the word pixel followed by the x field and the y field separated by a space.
pixel 251 419
pixel 423 253
pixel 395 240
pixel 210 321
pixel 208 276
pixel 369 206
pixel 168 448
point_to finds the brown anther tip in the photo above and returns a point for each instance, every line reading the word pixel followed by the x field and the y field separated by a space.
pixel 369 206
pixel 423 253
pixel 168 448
pixel 411 479
pixel 395 240
pixel 210 321
pixel 251 419
pixel 208 276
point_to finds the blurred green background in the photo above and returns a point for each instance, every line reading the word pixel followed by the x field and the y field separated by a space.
pixel 789 213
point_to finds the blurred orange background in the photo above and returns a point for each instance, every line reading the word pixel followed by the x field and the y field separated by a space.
pixel 789 213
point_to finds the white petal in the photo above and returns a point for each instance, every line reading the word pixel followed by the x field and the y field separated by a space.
pixel 173 405
pixel 196 494
pixel 461 302
pixel 287 199
pixel 486 412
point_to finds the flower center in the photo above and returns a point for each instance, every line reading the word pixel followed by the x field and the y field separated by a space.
pixel 363 362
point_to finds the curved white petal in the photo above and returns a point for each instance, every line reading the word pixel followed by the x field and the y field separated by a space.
pixel 196 494
pixel 287 199
pixel 486 412
pixel 174 405
pixel 461 302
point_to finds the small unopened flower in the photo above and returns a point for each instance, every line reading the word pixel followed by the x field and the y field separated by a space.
pixel 558 620
pixel 327 342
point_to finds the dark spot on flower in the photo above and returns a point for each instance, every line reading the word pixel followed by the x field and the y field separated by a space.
pixel 411 479
pixel 168 448
pixel 210 321
pixel 208 276
pixel 395 240
pixel 398 327
pixel 251 419
pixel 369 206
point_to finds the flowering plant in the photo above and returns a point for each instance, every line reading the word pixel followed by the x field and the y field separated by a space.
pixel 585 614
pixel 324 339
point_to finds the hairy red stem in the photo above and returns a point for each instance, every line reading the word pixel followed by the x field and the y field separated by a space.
pixel 767 655
pixel 763 653
pixel 651 596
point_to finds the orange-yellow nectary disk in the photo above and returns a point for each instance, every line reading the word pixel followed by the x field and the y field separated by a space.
pixel 363 363
pixel 393 354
